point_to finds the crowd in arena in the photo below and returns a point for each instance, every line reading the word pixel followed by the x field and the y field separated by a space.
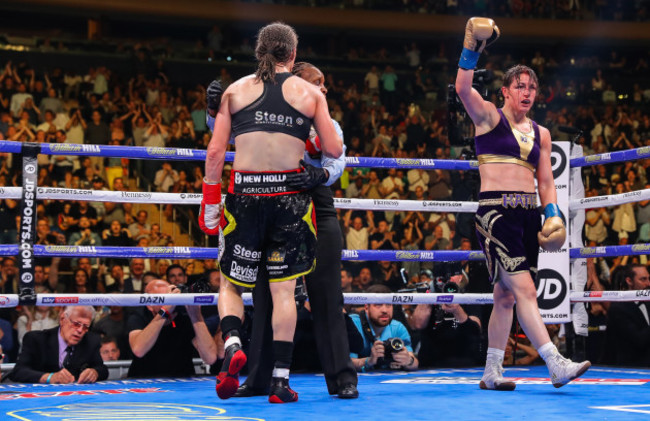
pixel 395 110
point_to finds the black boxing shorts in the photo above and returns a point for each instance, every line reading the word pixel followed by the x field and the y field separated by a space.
pixel 507 224
pixel 266 225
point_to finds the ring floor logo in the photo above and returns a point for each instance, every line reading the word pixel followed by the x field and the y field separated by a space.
pixel 133 411
pixel 558 160
pixel 551 289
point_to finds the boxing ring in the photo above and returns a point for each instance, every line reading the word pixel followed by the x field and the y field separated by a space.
pixel 412 395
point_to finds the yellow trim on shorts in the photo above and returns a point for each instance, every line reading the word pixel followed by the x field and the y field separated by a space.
pixel 232 224
pixel 292 277
pixel 307 218
pixel 238 283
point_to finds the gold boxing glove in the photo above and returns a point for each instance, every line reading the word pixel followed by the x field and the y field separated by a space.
pixel 479 33
pixel 553 233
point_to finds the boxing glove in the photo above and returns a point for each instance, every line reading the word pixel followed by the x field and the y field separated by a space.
pixel 308 179
pixel 479 33
pixel 553 233
pixel 213 97
pixel 210 208
pixel 312 144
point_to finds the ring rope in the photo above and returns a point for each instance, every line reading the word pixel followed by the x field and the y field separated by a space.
pixel 142 152
pixel 611 157
pixel 213 253
pixel 138 300
pixel 57 193
pixel 369 255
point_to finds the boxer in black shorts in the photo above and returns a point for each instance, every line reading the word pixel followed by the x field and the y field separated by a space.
pixel 269 114
pixel 507 224
pixel 283 241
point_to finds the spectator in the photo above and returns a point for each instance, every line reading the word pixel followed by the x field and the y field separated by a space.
pixel 76 128
pixel 109 350
pixel 76 357
pixel 140 226
pixel 384 238
pixel 597 220
pixel 165 177
pixel 176 275
pixel 85 236
pixel 35 318
pixel 113 325
pixel 376 325
pixel 163 340
pixel 135 282
pixel 628 327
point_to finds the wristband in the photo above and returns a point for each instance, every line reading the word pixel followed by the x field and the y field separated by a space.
pixel 163 313
pixel 48 378
pixel 468 59
pixel 550 210
pixel 365 367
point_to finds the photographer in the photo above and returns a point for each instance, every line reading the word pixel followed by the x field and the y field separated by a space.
pixel 163 339
pixel 450 337
pixel 386 342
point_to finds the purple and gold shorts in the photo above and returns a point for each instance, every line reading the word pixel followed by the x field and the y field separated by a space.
pixel 507 224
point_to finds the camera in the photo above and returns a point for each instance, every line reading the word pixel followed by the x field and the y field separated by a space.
pixel 391 346
pixel 198 287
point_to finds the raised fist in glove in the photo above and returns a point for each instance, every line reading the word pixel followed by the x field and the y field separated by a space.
pixel 213 97
pixel 553 233
pixel 479 33
pixel 308 179
pixel 210 208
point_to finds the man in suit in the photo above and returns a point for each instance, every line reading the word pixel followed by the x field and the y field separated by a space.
pixel 63 354
pixel 628 325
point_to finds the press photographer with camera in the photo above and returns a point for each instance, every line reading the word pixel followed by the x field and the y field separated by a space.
pixel 386 342
pixel 163 338
pixel 450 334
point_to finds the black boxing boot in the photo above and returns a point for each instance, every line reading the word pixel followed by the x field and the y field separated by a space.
pixel 281 392
pixel 228 377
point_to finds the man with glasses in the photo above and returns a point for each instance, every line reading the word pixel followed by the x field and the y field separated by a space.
pixel 64 354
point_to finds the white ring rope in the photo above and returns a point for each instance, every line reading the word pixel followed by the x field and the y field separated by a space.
pixel 55 193
pixel 135 300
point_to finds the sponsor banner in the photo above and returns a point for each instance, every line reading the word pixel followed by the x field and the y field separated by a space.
pixel 553 288
pixel 204 299
pixel 518 380
pixel 9 300
pixel 71 149
pixel 169 152
pixel 60 394
pixel 406 205
pixel 27 228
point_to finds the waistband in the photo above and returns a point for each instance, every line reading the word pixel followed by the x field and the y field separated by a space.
pixel 267 183
pixel 508 199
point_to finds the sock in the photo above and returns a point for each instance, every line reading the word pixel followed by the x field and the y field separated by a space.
pixel 547 350
pixel 283 354
pixel 232 340
pixel 230 327
pixel 281 372
pixel 495 355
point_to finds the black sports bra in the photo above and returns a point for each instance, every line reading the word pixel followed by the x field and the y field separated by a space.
pixel 271 113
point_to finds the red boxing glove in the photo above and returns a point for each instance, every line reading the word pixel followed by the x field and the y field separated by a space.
pixel 210 208
pixel 312 146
